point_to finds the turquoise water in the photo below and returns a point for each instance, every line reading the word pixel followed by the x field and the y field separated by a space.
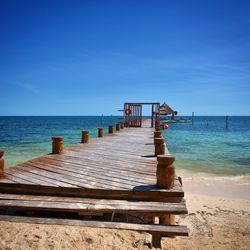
pixel 23 138
pixel 211 148
pixel 198 147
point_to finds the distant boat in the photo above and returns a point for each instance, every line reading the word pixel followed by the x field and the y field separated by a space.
pixel 176 120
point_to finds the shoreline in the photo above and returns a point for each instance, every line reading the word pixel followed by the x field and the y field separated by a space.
pixel 235 187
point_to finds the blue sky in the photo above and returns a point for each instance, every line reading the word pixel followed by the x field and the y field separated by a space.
pixel 88 57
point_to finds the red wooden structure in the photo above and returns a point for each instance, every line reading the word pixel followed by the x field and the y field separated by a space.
pixel 133 113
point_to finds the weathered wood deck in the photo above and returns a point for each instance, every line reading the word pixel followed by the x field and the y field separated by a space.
pixel 118 166
pixel 112 174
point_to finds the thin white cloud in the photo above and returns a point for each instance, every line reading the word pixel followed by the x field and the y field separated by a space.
pixel 28 87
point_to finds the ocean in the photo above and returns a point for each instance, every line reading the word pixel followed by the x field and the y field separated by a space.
pixel 203 147
pixel 208 147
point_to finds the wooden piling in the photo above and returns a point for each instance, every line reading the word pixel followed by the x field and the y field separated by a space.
pixel 57 145
pixel 167 219
pixel 157 134
pixel 122 125
pixel 157 125
pixel 1 163
pixel 100 132
pixel 165 179
pixel 165 171
pixel 85 136
pixel 159 146
pixel 156 240
pixel 111 129
pixel 117 126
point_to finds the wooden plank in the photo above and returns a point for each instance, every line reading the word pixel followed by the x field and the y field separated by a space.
pixel 61 176
pixel 77 204
pixel 78 178
pixel 152 195
pixel 16 179
pixel 99 174
pixel 114 165
pixel 90 165
pixel 170 230
pixel 88 206
pixel 9 196
pixel 34 176
pixel 27 176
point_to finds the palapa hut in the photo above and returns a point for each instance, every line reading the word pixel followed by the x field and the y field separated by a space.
pixel 166 110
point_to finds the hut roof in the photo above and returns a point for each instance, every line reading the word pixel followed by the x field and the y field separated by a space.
pixel 166 110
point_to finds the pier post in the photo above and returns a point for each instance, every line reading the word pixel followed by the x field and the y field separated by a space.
pixel 122 125
pixel 159 146
pixel 111 129
pixel 117 126
pixel 165 179
pixel 100 132
pixel 85 136
pixel 165 171
pixel 157 134
pixel 157 125
pixel 1 163
pixel 227 122
pixel 57 145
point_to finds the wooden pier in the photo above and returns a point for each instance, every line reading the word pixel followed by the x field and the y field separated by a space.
pixel 116 173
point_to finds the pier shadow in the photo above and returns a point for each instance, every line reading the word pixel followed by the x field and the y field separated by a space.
pixel 149 144
pixel 148 156
pixel 145 188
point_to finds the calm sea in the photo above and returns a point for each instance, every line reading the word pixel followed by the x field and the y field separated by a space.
pixel 204 147
pixel 208 147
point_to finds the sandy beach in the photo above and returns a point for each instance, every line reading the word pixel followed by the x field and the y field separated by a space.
pixel 219 218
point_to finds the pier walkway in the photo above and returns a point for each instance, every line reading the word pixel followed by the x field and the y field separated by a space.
pixel 112 174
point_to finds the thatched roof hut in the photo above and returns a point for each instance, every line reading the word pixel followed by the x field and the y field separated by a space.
pixel 166 110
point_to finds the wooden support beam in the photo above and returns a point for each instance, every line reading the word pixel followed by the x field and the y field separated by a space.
pixel 156 240
pixel 1 163
pixel 85 136
pixel 57 145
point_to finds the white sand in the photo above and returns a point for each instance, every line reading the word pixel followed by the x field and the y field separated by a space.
pixel 219 218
